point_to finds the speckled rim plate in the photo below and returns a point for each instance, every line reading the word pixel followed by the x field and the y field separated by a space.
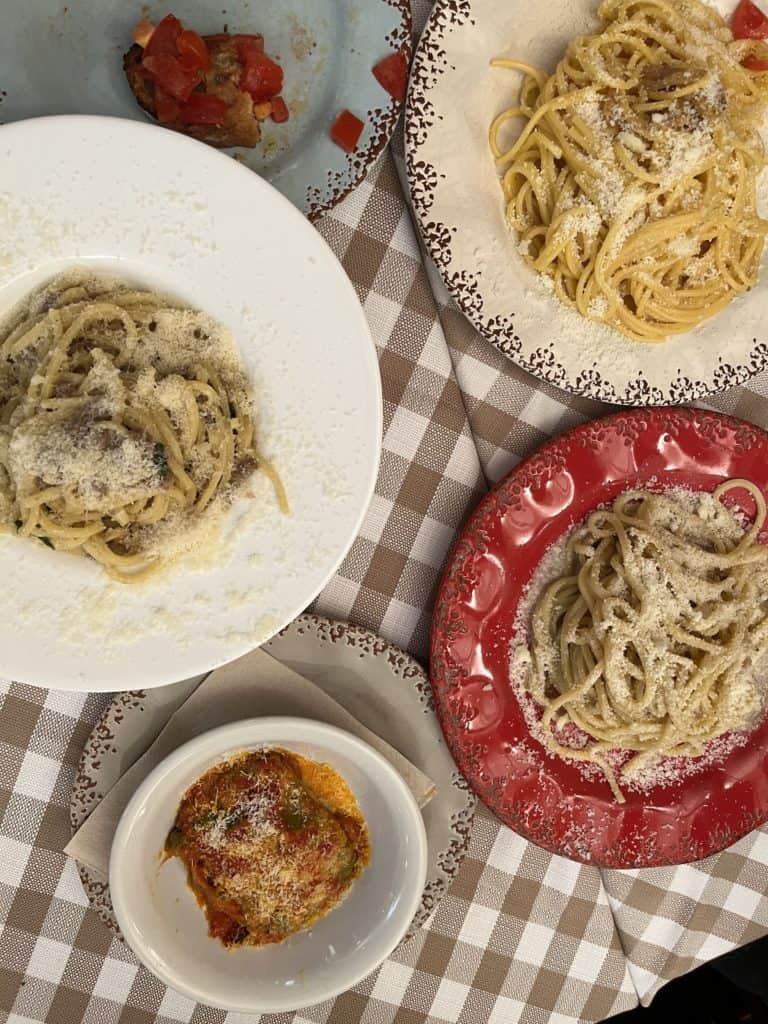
pixel 382 686
pixel 186 219
pixel 327 49
pixel 458 202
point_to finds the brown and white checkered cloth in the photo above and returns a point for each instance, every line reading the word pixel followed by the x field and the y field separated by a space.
pixel 522 935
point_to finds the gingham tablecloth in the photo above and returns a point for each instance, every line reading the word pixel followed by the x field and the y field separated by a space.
pixel 522 935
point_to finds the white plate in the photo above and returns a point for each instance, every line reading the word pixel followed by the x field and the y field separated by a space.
pixel 458 200
pixel 163 924
pixel 173 214
pixel 67 58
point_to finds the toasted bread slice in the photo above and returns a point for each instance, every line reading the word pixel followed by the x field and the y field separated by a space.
pixel 241 127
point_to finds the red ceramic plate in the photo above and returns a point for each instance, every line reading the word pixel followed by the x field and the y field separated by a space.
pixel 543 797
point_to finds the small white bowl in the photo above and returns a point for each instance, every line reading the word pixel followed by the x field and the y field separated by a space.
pixel 167 930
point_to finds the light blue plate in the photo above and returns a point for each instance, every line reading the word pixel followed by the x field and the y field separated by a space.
pixel 65 57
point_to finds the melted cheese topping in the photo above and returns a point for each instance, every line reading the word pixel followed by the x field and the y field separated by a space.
pixel 271 841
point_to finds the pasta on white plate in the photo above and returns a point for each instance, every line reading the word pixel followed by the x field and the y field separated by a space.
pixel 652 643
pixel 126 423
pixel 633 182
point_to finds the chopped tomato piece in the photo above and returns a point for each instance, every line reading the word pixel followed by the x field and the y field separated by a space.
pixel 392 74
pixel 166 107
pixel 262 78
pixel 755 64
pixel 164 37
pixel 169 74
pixel 346 130
pixel 280 112
pixel 143 32
pixel 191 64
pixel 248 47
pixel 192 46
pixel 749 22
pixel 201 108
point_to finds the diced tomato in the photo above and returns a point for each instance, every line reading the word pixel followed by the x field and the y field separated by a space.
pixel 164 37
pixel 192 46
pixel 168 73
pixel 190 63
pixel 749 22
pixel 392 74
pixel 166 107
pixel 201 108
pixel 346 130
pixel 280 112
pixel 261 77
pixel 248 47
pixel 143 32
pixel 755 64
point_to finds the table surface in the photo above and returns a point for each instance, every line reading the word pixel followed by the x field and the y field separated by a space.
pixel 522 935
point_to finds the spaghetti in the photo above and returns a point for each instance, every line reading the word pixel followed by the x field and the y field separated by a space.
pixel 125 422
pixel 633 183
pixel 650 643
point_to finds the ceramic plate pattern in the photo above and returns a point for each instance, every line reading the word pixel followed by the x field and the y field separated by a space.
pixel 459 206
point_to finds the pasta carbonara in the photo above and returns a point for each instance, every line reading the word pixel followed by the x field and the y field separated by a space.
pixel 125 422
pixel 649 644
pixel 632 185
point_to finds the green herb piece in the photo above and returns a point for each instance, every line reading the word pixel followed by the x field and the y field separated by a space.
pixel 347 865
pixel 234 819
pixel 280 924
pixel 160 459
pixel 294 815
pixel 206 820
pixel 175 840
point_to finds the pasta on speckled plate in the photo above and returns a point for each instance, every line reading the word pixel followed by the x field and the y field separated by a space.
pixel 633 184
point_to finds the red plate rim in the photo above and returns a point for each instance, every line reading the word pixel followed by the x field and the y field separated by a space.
pixel 538 795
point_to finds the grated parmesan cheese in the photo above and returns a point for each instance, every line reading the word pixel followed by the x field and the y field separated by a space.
pixel 722 526
pixel 272 841
pixel 79 437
